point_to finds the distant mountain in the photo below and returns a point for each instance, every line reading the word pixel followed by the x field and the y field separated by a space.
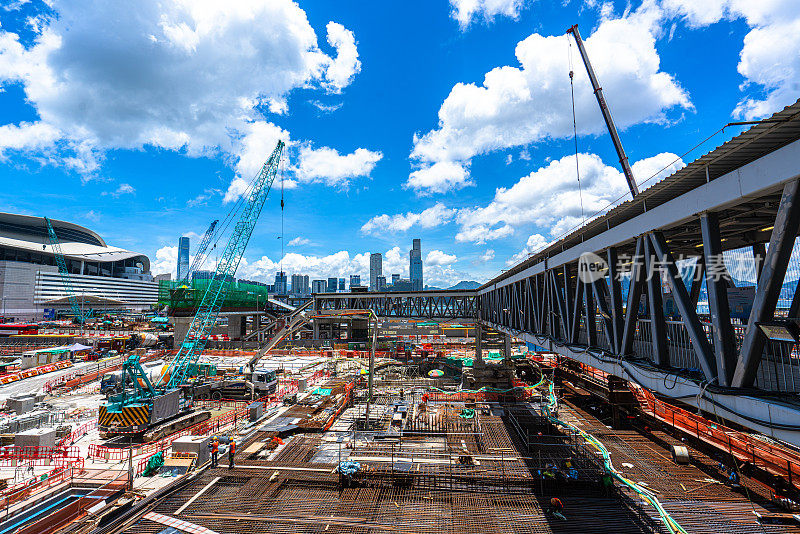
pixel 431 288
pixel 466 284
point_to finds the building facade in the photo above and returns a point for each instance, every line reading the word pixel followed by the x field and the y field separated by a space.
pixel 300 284
pixel 333 283
pixel 355 280
pixel 415 266
pixel 395 278
pixel 375 270
pixel 319 286
pixel 106 277
pixel 380 283
pixel 280 283
pixel 183 258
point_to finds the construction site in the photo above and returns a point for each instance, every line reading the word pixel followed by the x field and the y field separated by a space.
pixel 565 395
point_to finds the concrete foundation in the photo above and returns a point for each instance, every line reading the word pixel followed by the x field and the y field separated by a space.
pixel 37 437
pixel 482 374
pixel 23 403
pixel 194 444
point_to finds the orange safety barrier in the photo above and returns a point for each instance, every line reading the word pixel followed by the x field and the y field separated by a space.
pixel 772 458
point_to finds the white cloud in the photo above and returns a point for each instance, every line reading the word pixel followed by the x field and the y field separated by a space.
pixel 436 215
pixel 203 198
pixel 769 59
pixel 345 66
pixel 299 241
pixel 440 177
pixel 92 215
pixel 466 11
pixel 437 257
pixel 488 255
pixel 186 75
pixel 516 106
pixel 326 165
pixel 26 136
pixel 549 197
pixel 123 189
pixel 535 243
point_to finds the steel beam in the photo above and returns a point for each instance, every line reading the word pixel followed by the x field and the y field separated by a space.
pixel 616 298
pixel 688 312
pixel 655 307
pixel 717 288
pixel 634 296
pixel 770 282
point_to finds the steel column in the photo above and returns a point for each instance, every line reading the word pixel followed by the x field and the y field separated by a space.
pixel 770 282
pixel 655 307
pixel 634 297
pixel 688 312
pixel 717 287
pixel 616 298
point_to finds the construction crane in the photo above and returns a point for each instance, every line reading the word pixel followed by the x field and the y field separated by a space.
pixel 149 404
pixel 200 255
pixel 612 129
pixel 64 273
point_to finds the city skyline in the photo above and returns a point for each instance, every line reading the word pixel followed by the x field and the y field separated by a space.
pixel 141 178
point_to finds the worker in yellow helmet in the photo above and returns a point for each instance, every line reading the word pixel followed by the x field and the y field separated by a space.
pixel 231 452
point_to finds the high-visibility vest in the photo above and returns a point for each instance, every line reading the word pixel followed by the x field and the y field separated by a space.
pixel 233 447
pixel 215 447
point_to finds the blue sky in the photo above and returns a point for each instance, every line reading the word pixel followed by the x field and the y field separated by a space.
pixel 444 120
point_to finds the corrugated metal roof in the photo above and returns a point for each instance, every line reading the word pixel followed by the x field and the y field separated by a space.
pixel 762 138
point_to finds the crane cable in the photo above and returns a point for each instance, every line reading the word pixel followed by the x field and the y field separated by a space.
pixel 282 171
pixel 574 126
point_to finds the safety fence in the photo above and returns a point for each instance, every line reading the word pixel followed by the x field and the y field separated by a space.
pixel 68 456
pixel 36 371
pixel 772 458
pixel 20 492
pixel 78 433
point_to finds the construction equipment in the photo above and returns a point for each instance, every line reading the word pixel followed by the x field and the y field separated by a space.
pixel 200 255
pixel 148 404
pixel 612 129
pixel 77 311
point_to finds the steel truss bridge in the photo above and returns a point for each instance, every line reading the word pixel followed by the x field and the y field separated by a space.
pixel 741 199
pixel 441 304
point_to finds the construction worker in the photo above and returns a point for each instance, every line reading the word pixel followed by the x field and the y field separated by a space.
pixel 555 508
pixel 231 453
pixel 214 452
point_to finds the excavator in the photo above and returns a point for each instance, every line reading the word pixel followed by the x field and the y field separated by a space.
pixel 154 407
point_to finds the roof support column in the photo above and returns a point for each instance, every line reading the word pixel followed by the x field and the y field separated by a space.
pixel 616 299
pixel 717 288
pixel 770 282
pixel 688 312
pixel 655 307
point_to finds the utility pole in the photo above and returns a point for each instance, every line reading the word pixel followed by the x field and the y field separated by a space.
pixel 612 129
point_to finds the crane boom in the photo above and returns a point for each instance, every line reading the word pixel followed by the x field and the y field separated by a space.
pixel 612 129
pixel 64 272
pixel 206 316
pixel 201 251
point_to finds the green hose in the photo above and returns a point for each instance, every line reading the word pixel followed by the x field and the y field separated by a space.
pixel 646 494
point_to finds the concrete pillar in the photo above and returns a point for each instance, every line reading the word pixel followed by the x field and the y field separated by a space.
pixel 478 342
pixel 507 347
pixel 235 326
pixel 257 325
pixel 316 329
pixel 181 329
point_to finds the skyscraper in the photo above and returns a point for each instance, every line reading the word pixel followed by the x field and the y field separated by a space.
pixel 375 270
pixel 395 278
pixel 300 284
pixel 380 283
pixel 415 266
pixel 318 286
pixel 341 285
pixel 280 283
pixel 183 257
pixel 333 282
pixel 355 280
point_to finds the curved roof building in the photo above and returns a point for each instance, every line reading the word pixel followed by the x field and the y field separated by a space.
pixel 31 287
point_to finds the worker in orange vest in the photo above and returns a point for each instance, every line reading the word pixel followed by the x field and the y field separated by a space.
pixel 231 453
pixel 214 452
